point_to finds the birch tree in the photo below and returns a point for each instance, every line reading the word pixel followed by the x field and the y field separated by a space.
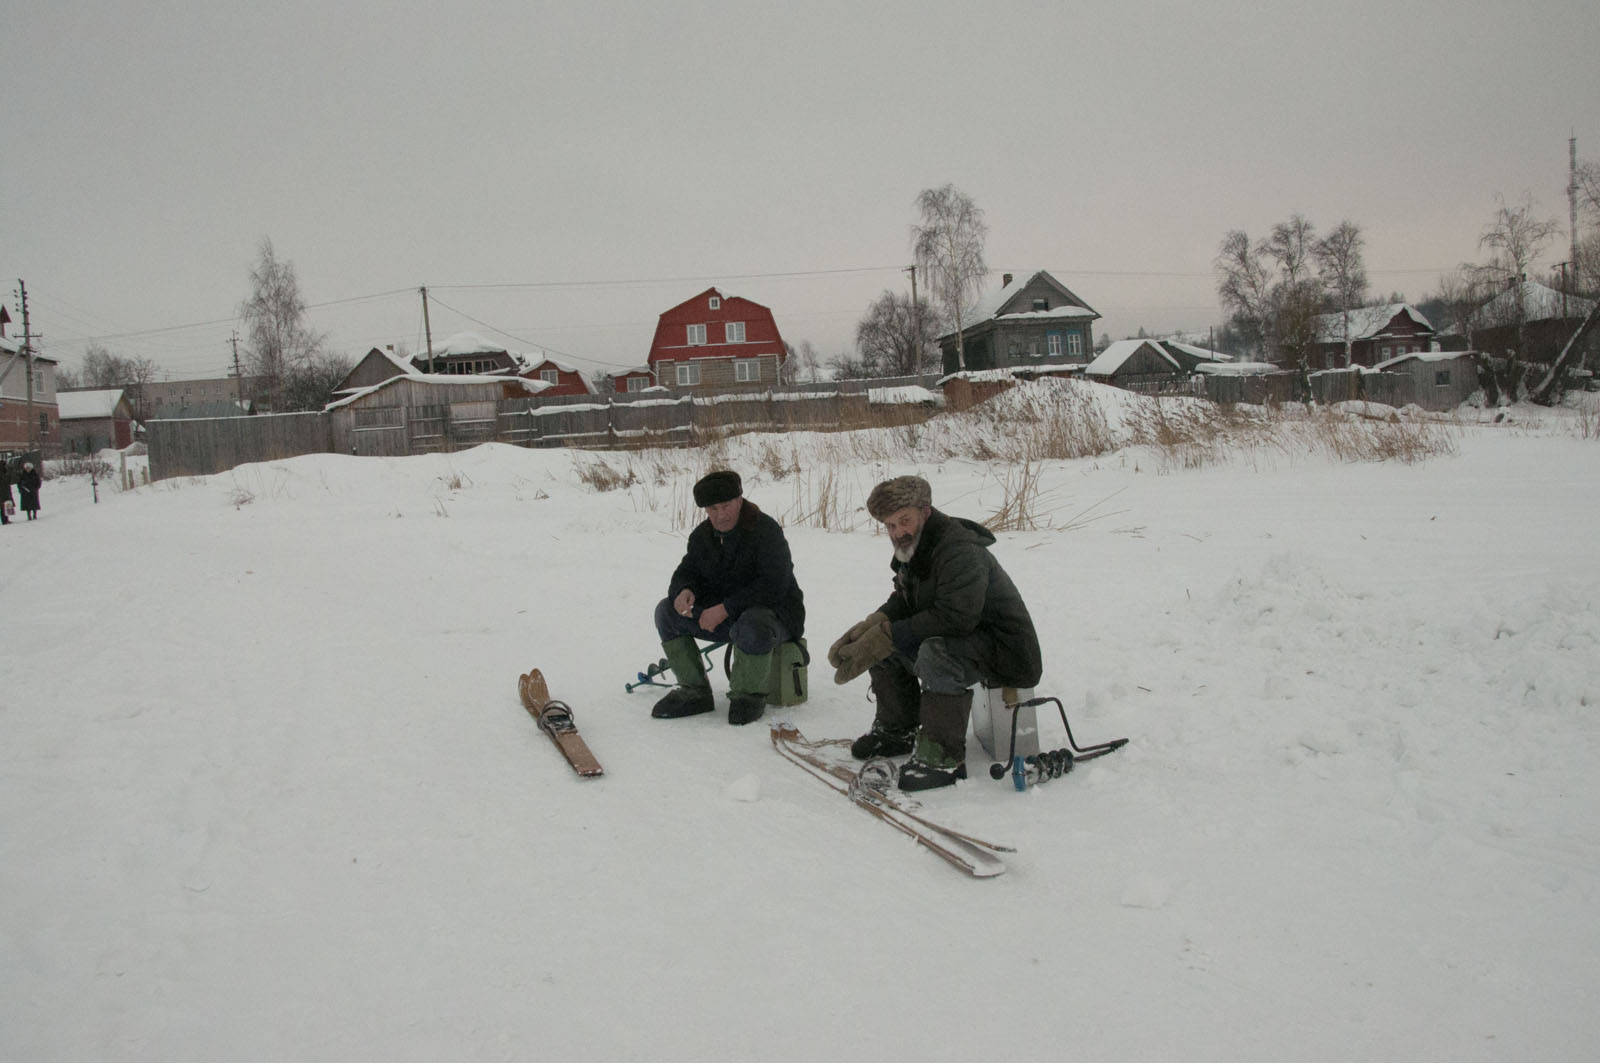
pixel 1344 273
pixel 948 245
pixel 279 339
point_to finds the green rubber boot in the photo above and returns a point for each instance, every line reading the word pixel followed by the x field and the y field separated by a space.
pixel 747 687
pixel 692 695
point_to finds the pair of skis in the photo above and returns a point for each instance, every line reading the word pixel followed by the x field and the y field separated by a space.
pixel 870 787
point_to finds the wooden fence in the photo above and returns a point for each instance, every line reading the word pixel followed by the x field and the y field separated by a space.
pixel 202 447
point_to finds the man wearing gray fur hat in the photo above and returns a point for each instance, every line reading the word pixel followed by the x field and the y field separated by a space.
pixel 954 619
pixel 735 584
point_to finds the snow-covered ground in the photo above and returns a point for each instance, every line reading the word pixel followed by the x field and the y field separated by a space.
pixel 267 792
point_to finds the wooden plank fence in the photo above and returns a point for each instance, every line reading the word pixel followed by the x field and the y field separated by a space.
pixel 206 446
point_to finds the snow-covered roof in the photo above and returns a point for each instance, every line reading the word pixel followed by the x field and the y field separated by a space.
pixel 1116 355
pixel 989 305
pixel 1422 356
pixel 404 365
pixel 907 395
pixel 465 343
pixel 1200 353
pixel 1541 303
pixel 1366 322
pixel 443 380
pixel 75 405
pixel 1237 368
pixel 9 345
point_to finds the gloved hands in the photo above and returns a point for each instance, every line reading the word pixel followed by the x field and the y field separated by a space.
pixel 872 645
pixel 855 632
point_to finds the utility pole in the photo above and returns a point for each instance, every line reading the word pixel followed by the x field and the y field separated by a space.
pixel 27 352
pixel 238 374
pixel 916 319
pixel 427 329
pixel 1572 207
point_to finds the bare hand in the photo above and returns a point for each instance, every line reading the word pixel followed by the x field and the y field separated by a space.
pixel 713 617
pixel 683 604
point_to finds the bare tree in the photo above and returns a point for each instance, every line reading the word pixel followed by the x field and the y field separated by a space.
pixel 275 322
pixel 948 244
pixel 1344 273
pixel 1463 292
pixel 309 385
pixel 102 369
pixel 887 336
pixel 1515 239
pixel 1244 285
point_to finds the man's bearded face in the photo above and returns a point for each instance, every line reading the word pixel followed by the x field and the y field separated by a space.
pixel 905 528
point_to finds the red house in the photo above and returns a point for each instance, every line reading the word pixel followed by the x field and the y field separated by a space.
pixel 562 378
pixel 640 379
pixel 715 341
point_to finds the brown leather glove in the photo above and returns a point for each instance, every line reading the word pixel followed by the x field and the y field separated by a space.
pixel 874 644
pixel 855 632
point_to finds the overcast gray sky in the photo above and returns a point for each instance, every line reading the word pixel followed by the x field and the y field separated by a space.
pixel 560 173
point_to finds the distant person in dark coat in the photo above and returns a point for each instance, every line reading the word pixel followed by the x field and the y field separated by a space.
pixel 735 584
pixel 28 489
pixel 5 491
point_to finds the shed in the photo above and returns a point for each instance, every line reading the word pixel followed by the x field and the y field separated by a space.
pixel 95 420
pixel 416 414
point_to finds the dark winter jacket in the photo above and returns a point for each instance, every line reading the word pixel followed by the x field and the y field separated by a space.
pixel 5 481
pixel 953 587
pixel 747 566
pixel 28 490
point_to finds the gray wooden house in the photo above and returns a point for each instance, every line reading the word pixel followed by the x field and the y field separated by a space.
pixel 418 413
pixel 1034 320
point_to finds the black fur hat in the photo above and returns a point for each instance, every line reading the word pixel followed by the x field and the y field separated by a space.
pixel 720 486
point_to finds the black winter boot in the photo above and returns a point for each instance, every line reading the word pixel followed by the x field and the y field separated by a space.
pixel 894 727
pixel 881 743
pixel 939 758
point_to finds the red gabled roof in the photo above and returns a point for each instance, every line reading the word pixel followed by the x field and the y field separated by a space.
pixel 761 335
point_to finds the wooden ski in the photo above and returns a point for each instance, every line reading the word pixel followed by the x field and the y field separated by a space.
pixel 555 719
pixel 975 856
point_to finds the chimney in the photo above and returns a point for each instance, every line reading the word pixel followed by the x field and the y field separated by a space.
pixel 1006 283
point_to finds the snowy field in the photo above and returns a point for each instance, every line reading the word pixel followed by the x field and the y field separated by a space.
pixel 267 792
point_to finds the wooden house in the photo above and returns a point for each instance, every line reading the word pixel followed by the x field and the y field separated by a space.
pixel 419 412
pixel 714 341
pixel 95 420
pixel 1375 333
pixel 1550 318
pixel 1135 364
pixel 1433 380
pixel 467 354
pixel 639 378
pixel 375 367
pixel 562 378
pixel 1031 320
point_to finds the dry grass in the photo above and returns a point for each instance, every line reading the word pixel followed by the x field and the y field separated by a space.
pixel 1020 435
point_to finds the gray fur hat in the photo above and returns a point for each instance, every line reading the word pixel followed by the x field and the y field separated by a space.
pixel 902 492
pixel 720 486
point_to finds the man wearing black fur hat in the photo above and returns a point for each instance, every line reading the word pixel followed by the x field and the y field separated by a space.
pixel 954 619
pixel 735 584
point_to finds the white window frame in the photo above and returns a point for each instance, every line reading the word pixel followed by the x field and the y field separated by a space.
pixel 688 374
pixel 637 383
pixel 1074 344
pixel 1053 344
pixel 553 376
pixel 746 370
pixel 697 335
pixel 733 332
pixel 716 303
